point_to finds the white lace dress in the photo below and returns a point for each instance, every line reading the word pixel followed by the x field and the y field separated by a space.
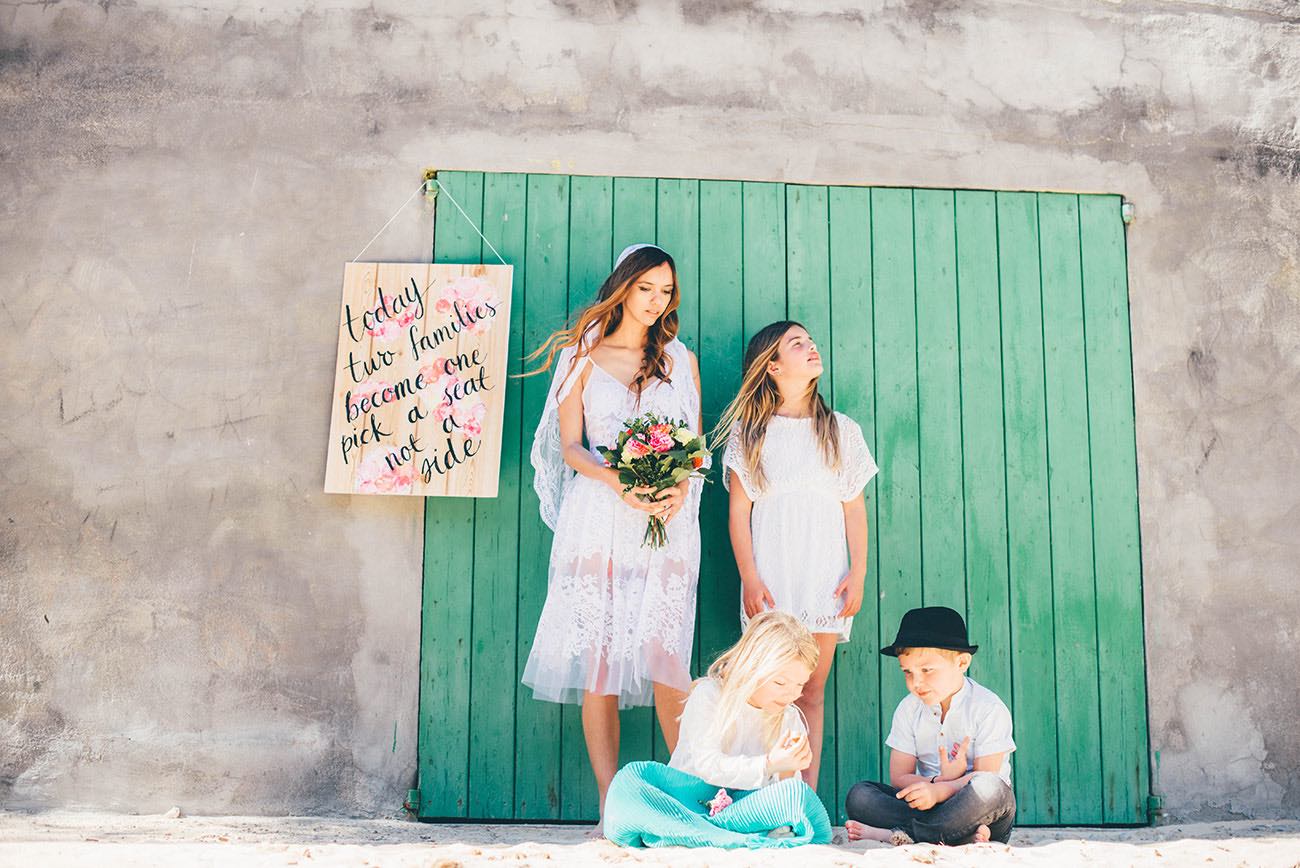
pixel 618 616
pixel 800 546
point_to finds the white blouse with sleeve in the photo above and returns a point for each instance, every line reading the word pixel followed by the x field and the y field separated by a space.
pixel 741 765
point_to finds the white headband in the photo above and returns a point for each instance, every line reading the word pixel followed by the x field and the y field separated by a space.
pixel 633 248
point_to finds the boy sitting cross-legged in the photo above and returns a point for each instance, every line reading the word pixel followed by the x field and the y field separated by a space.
pixel 950 746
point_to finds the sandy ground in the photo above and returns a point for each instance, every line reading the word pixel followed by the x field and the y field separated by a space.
pixel 52 839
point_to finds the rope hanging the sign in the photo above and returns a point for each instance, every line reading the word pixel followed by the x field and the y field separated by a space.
pixel 443 188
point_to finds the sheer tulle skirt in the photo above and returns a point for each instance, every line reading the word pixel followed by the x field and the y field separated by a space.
pixel 618 616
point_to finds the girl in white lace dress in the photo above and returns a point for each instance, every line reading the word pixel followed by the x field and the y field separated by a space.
pixel 618 625
pixel 798 521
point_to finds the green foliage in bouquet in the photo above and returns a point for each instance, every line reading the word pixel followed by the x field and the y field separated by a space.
pixel 656 453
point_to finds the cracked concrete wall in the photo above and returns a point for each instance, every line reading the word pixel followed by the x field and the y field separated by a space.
pixel 186 619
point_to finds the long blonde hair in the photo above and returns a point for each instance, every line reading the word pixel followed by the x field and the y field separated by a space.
pixel 772 640
pixel 757 402
pixel 606 312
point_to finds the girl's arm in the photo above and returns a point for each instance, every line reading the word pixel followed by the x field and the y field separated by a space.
pixel 701 736
pixel 755 593
pixel 581 460
pixel 855 528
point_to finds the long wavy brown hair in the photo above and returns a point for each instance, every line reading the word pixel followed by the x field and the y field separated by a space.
pixel 605 314
pixel 757 402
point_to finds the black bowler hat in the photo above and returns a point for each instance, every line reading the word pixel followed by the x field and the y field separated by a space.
pixel 931 627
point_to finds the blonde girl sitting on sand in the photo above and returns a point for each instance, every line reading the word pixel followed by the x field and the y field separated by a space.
pixel 734 777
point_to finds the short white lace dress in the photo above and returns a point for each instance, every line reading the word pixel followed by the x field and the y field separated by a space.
pixel 618 616
pixel 800 546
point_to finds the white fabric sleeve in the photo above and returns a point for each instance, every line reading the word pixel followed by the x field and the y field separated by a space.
pixel 711 763
pixel 550 472
pixel 902 733
pixel 857 467
pixel 733 459
pixel 993 734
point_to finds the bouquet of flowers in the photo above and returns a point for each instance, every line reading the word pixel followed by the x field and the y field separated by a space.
pixel 655 453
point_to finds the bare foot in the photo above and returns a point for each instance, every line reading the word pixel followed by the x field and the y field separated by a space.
pixel 862 832
pixel 596 832
pixel 981 836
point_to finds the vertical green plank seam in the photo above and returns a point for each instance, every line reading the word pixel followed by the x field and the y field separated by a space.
pixel 1006 481
pixel 875 415
pixel 568 306
pixel 474 566
pixel 785 239
pixel 961 404
pixel 424 556
pixel 1047 440
pixel 920 453
pixel 830 343
pixel 519 507
pixel 1092 513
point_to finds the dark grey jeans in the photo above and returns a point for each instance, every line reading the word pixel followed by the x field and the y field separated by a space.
pixel 986 800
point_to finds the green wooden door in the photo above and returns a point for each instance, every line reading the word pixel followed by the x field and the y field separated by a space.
pixel 982 341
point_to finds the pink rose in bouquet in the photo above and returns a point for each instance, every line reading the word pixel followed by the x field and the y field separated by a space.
pixel 661 442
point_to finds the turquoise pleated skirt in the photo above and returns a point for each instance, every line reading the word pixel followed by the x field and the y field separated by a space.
pixel 652 805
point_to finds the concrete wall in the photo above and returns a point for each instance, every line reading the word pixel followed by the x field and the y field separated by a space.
pixel 186 619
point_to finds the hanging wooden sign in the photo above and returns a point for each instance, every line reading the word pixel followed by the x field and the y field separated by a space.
pixel 419 389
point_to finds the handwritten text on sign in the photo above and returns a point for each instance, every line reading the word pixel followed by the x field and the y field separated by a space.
pixel 419 390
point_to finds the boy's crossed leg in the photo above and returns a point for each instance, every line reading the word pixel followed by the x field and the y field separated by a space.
pixel 984 809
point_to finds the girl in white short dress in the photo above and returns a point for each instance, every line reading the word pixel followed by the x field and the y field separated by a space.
pixel 796 472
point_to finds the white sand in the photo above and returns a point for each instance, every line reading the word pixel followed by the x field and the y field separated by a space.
pixel 53 839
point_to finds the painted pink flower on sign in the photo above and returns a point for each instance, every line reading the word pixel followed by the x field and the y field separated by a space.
pixel 436 379
pixel 386 326
pixel 368 389
pixel 472 296
pixel 376 476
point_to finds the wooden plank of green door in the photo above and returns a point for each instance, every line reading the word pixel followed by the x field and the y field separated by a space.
pixel 1121 660
pixel 943 554
pixel 899 486
pixel 857 670
pixel 983 445
pixel 634 222
pixel 537 725
pixel 496 539
pixel 677 215
pixel 448 570
pixel 1030 561
pixel 808 291
pixel 591 233
pixel 1069 488
pixel 764 260
pixel 678 231
pixel 721 348
pixel 808 300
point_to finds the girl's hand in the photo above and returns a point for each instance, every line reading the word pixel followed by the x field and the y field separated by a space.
pixel 851 589
pixel 671 500
pixel 792 754
pixel 755 596
pixel 952 762
pixel 635 497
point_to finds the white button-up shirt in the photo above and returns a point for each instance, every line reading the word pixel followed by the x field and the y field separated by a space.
pixel 739 765
pixel 974 711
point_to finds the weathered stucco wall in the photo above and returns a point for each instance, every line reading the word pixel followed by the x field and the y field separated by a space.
pixel 186 619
